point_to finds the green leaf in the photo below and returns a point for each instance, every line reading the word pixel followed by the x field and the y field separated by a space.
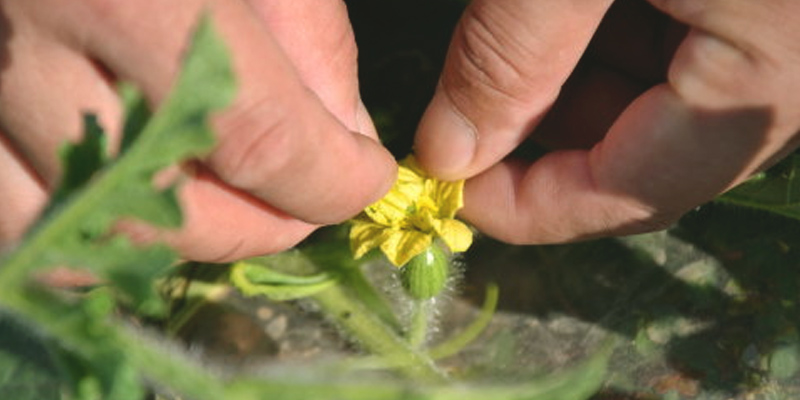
pixel 82 160
pixel 137 115
pixel 577 383
pixel 94 194
pixel 161 209
pixel 27 369
pixel 777 190
pixel 180 129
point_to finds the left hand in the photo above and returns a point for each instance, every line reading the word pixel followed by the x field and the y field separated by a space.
pixel 297 148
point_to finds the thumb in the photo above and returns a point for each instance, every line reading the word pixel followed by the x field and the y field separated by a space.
pixel 505 67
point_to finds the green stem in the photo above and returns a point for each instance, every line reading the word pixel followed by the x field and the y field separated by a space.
pixel 197 295
pixel 366 292
pixel 75 330
pixel 375 335
pixel 169 368
pixel 418 330
pixel 470 333
pixel 454 344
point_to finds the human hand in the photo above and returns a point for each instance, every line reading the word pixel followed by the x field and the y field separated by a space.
pixel 287 157
pixel 668 108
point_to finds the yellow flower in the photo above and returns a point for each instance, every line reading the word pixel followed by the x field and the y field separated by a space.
pixel 418 209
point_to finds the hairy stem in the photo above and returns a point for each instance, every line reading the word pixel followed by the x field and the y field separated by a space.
pixel 418 330
pixel 375 335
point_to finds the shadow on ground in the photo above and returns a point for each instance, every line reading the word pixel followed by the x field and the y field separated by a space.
pixel 714 299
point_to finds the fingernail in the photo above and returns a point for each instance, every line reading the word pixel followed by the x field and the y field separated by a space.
pixel 446 140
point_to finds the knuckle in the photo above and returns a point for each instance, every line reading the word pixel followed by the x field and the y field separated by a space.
pixel 699 65
pixel 737 50
pixel 255 143
pixel 713 73
pixel 488 60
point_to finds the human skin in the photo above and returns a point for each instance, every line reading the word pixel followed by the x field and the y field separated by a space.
pixel 675 102
pixel 296 149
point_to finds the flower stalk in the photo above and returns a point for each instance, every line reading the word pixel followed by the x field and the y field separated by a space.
pixel 374 334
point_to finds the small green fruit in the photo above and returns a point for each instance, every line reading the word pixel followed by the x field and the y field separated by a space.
pixel 425 275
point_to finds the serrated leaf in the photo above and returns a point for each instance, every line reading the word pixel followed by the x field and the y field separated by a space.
pixel 140 201
pixel 180 128
pixel 81 161
pixel 95 194
pixel 137 115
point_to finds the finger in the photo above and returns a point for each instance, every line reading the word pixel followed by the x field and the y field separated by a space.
pixel 324 57
pixel 734 49
pixel 277 142
pixel 21 195
pixel 729 108
pixel 47 86
pixel 505 67
pixel 589 103
pixel 629 53
pixel 253 227
pixel 660 158
pixel 222 224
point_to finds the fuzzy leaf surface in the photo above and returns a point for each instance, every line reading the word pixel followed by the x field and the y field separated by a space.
pixel 96 192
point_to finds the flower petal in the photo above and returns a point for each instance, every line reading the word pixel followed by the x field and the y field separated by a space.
pixel 393 208
pixel 405 222
pixel 455 234
pixel 410 162
pixel 402 245
pixel 365 236
pixel 449 196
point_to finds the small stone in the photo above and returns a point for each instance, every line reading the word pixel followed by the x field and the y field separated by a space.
pixel 277 327
pixel 264 313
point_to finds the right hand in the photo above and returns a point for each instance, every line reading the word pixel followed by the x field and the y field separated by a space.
pixel 653 124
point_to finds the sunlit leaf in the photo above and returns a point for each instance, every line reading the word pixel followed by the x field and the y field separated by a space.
pixel 777 190
pixel 94 194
